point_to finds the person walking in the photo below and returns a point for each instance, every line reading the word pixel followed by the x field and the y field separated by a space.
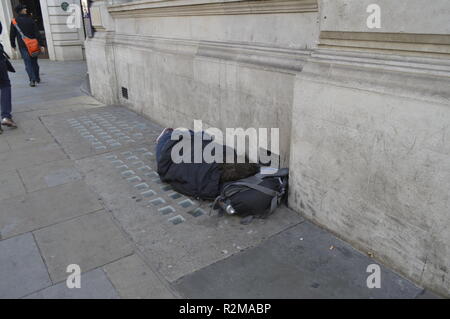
pixel 29 28
pixel 5 88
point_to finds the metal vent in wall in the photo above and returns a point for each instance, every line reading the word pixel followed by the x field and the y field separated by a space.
pixel 124 93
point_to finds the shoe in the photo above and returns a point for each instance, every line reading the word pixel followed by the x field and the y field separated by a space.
pixel 9 122
pixel 32 83
pixel 38 80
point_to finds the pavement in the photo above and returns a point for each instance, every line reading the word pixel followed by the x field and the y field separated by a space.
pixel 78 186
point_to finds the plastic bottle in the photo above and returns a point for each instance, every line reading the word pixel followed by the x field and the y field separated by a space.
pixel 227 208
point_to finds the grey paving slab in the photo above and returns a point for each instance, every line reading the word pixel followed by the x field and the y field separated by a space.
pixel 52 106
pixel 49 175
pixel 53 110
pixel 426 294
pixel 302 262
pixel 90 241
pixel 56 84
pixel 133 279
pixel 22 270
pixel 31 156
pixel 31 211
pixel 93 285
pixel 4 146
pixel 10 184
pixel 29 133
pixel 72 101
pixel 175 240
pixel 96 131
pixel 31 102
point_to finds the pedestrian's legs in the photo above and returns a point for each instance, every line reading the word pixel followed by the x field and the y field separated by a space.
pixel 36 68
pixel 5 100
pixel 5 94
pixel 29 66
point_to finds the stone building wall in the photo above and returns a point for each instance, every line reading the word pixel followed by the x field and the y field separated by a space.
pixel 370 155
pixel 364 114
pixel 64 43
pixel 222 62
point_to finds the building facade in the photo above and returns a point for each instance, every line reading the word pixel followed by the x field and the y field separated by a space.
pixel 60 24
pixel 360 90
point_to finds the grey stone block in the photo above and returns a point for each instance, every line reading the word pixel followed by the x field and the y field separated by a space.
pixel 30 133
pixel 426 294
pixel 49 175
pixel 10 185
pixel 133 279
pixel 22 270
pixel 302 262
pixel 94 285
pixel 89 241
pixel 31 156
pixel 4 146
pixel 45 207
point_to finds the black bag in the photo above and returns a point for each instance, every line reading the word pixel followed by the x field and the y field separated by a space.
pixel 258 195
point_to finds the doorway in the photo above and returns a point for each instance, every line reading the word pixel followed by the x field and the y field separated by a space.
pixel 34 9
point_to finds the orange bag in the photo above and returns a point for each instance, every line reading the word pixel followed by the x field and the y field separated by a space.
pixel 32 44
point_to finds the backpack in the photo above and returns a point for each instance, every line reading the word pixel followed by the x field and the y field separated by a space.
pixel 258 195
pixel 32 44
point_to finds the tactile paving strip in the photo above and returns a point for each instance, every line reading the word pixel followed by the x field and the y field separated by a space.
pixel 100 130
pixel 106 131
pixel 138 167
